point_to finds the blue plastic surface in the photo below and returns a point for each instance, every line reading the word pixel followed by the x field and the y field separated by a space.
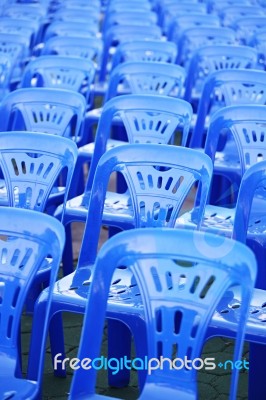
pixel 27 238
pixel 55 111
pixel 181 276
pixel 142 77
pixel 62 72
pixel 147 50
pixel 71 28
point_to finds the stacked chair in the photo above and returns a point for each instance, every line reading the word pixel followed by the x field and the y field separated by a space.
pixel 168 99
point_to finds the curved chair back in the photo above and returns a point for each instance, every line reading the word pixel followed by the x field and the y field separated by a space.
pixel 89 48
pixel 213 58
pixel 141 77
pixel 31 164
pixel 147 50
pixel 182 276
pixel 72 73
pixel 229 14
pixel 146 118
pixel 258 40
pixel 71 28
pixel 246 125
pixel 224 88
pixel 78 14
pixel 194 38
pixel 124 33
pixel 158 178
pixel 248 26
pixel 55 111
pixel 27 238
pixel 129 17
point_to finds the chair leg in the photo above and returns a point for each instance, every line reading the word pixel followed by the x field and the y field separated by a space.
pixel 67 257
pixel 119 346
pixel 57 344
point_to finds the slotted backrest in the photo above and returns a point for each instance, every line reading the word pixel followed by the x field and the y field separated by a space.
pixel 77 14
pixel 24 11
pixel 247 125
pixel 213 58
pixel 248 26
pixel 138 17
pixel 159 179
pixel 26 239
pixel 31 163
pixel 229 14
pixel 225 88
pixel 216 6
pixel 142 77
pixel 146 118
pixel 71 28
pixel 5 74
pixel 174 10
pixel 89 48
pixel 117 34
pixel 190 20
pixel 13 45
pixel 71 73
pixel 182 275
pixel 55 111
pixel 194 38
pixel 147 50
pixel 258 40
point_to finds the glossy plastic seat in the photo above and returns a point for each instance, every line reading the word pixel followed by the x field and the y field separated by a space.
pixel 27 238
pixel 124 33
pixel 177 303
pixel 159 180
pixel 147 50
pixel 194 38
pixel 54 111
pixel 72 73
pixel 89 48
pixel 141 77
pixel 225 88
pixel 213 58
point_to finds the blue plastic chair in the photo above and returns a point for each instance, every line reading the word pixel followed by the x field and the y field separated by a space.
pixel 27 238
pixel 213 58
pixel 246 223
pixel 84 47
pixel 147 50
pixel 215 6
pixel 246 27
pixel 146 118
pixel 72 73
pixel 159 180
pixel 138 16
pixel 229 14
pixel 225 88
pixel 194 38
pixel 5 74
pixel 258 41
pixel 77 14
pixel 142 77
pixel 190 20
pixel 177 302
pixel 54 111
pixel 26 28
pixel 124 33
pixel 71 28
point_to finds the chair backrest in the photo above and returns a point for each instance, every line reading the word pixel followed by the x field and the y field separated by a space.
pixel 190 20
pixel 15 46
pixel 77 14
pixel 258 40
pixel 31 164
pixel 140 77
pixel 252 187
pixel 216 6
pixel 72 73
pixel 129 17
pixel 124 33
pixel 71 28
pixel 55 111
pixel 25 28
pixel 246 124
pixel 26 239
pixel 213 58
pixel 145 50
pixel 224 88
pixel 158 178
pixel 248 26
pixel 229 14
pixel 146 118
pixel 194 38
pixel 182 276
pixel 5 74
pixel 89 48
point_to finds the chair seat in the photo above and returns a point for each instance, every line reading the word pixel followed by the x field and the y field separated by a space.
pixel 14 388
